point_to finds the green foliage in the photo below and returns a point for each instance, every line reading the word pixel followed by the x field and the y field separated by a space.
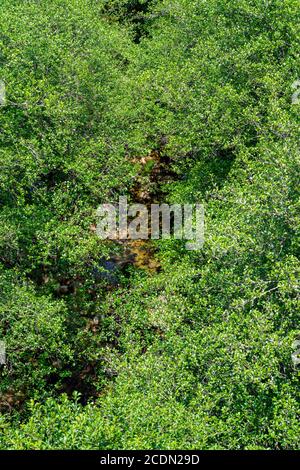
pixel 60 150
pixel 35 338
pixel 135 14
pixel 198 355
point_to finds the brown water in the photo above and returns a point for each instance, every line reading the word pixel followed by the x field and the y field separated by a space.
pixel 153 173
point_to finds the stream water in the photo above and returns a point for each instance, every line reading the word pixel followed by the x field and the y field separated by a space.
pixel 153 173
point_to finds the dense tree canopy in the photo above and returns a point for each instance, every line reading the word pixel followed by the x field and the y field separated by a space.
pixel 198 354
